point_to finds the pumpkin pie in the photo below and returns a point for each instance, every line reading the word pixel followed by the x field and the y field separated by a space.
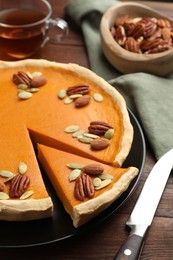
pixel 60 168
pixel 63 106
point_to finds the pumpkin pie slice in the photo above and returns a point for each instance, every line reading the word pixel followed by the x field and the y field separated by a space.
pixel 18 168
pixel 80 197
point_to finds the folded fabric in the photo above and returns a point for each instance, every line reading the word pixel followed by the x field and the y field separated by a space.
pixel 149 97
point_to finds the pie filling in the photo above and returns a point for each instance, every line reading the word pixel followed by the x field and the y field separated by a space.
pixel 68 108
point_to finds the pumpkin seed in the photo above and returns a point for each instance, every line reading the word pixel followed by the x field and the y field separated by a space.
pixel 3 196
pixel 20 90
pixel 74 174
pixel 74 165
pixel 97 182
pixel 62 93
pixel 22 86
pixel 91 135
pixel 98 97
pixel 26 195
pixel 75 96
pixel 5 173
pixel 71 129
pixel 68 101
pixel 85 139
pixel 109 134
pixel 22 168
pixel 103 184
pixel 9 178
pixel 78 133
pixel 36 74
pixel 105 176
pixel 24 95
pixel 33 90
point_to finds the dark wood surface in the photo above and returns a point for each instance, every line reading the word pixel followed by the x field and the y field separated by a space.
pixel 103 241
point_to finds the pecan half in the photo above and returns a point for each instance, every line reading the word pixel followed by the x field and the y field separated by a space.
pixel 82 101
pixel 129 27
pixel 121 20
pixel 93 169
pixel 120 35
pixel 18 185
pixel 132 45
pixel 84 187
pixel 159 48
pixel 149 19
pixel 150 44
pixel 138 30
pixel 99 143
pixel 78 89
pixel 98 127
pixel 163 23
pixel 166 33
pixel 37 82
pixel 156 34
pixel 113 31
pixel 149 29
pixel 21 78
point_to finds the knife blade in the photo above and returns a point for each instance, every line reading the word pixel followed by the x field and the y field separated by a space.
pixel 145 207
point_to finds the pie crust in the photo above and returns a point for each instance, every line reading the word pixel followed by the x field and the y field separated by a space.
pixel 37 115
pixel 54 163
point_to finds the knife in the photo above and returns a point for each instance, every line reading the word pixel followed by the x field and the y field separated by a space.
pixel 144 210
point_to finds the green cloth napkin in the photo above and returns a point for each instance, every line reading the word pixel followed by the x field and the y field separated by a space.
pixel 150 97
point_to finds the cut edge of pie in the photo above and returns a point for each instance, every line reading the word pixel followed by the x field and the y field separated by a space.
pixel 55 163
pixel 40 208
pixel 19 210
pixel 127 138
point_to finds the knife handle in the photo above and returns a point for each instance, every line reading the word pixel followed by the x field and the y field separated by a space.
pixel 131 248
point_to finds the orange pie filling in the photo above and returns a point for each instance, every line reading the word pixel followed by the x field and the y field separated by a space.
pixel 55 163
pixel 43 116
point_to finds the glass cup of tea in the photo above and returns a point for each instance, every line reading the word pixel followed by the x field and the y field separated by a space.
pixel 24 26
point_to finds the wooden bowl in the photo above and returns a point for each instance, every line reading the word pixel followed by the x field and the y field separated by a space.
pixel 128 62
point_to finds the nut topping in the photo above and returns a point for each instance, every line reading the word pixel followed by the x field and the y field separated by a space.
pixel 28 83
pixel 138 30
pixel 82 101
pixel 163 23
pixel 78 89
pixel 166 33
pixel 21 78
pixel 150 44
pixel 132 45
pixel 84 187
pixel 93 169
pixel 120 35
pixel 121 20
pixel 98 127
pixel 135 34
pixel 38 81
pixel 18 185
pixel 99 143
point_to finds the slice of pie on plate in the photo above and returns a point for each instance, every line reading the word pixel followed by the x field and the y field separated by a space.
pixel 68 172
pixel 63 106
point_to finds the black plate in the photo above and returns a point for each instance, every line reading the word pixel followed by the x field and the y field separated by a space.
pixel 59 227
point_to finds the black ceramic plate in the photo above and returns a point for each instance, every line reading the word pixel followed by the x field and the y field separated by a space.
pixel 59 227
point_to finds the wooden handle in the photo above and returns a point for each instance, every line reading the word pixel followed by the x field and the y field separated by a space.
pixel 131 248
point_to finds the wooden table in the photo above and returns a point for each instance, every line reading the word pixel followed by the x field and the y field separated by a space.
pixel 103 241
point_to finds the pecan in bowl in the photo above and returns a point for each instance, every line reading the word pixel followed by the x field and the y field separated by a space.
pixel 136 38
